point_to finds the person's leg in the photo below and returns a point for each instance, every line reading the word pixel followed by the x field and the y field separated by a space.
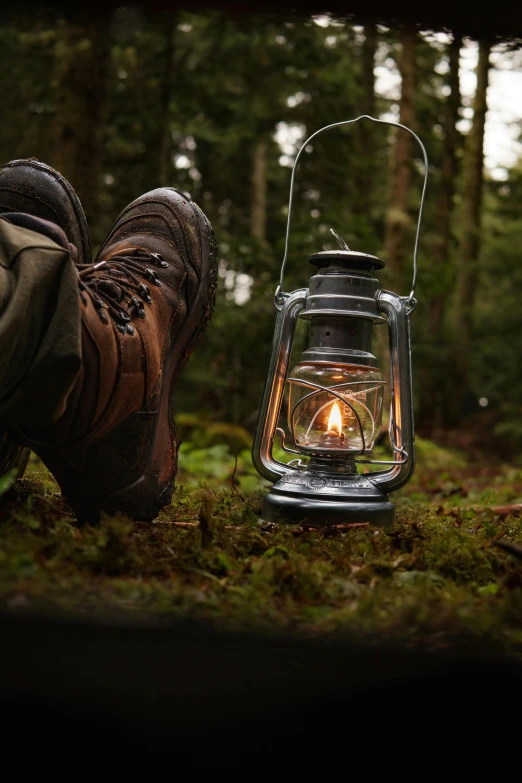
pixel 34 191
pixel 40 347
pixel 144 306
pixel 40 323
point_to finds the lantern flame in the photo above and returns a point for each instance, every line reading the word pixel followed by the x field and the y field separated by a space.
pixel 335 420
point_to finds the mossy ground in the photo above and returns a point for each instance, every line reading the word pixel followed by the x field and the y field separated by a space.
pixel 437 580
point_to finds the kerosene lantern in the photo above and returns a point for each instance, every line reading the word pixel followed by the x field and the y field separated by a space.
pixel 335 392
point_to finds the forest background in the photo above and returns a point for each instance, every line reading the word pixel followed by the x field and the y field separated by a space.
pixel 217 104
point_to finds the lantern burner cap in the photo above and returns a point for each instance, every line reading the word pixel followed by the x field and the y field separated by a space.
pixel 346 259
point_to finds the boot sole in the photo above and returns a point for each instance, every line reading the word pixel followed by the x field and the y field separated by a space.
pixel 144 496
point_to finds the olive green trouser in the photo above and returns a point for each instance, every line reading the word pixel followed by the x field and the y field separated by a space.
pixel 40 328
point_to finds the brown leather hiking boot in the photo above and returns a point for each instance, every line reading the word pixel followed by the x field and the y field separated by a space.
pixel 146 302
pixel 31 191
pixel 30 186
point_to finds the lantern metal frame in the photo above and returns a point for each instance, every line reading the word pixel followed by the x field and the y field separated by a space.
pixel 329 490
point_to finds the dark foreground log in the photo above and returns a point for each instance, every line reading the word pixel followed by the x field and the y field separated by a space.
pixel 250 703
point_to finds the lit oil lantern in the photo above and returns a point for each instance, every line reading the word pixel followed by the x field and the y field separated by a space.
pixel 335 393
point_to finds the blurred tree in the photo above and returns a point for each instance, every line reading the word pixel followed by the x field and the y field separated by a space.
pixel 365 168
pixel 398 220
pixel 167 82
pixel 258 210
pixel 433 394
pixel 470 234
pixel 27 100
pixel 446 189
pixel 81 52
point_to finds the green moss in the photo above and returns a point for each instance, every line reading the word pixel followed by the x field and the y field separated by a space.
pixel 435 580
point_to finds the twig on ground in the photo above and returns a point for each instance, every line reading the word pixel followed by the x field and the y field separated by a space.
pixel 505 511
pixel 499 511
pixel 233 480
pixel 206 521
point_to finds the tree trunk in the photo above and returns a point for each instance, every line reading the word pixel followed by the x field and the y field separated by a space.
pixel 165 98
pixel 81 59
pixel 447 180
pixel 364 173
pixel 470 219
pixel 431 410
pixel 159 170
pixel 398 221
pixel 258 204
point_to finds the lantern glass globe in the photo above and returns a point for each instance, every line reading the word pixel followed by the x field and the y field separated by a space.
pixel 346 421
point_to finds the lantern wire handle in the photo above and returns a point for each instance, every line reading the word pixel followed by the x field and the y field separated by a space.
pixel 411 303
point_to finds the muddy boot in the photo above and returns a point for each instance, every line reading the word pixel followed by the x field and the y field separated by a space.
pixel 36 189
pixel 145 304
pixel 30 191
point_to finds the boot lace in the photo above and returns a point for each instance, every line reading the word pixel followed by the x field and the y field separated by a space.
pixel 115 288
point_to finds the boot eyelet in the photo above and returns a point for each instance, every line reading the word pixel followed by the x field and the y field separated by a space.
pixel 138 305
pixel 152 276
pixel 130 329
pixel 122 328
pixel 123 316
pixel 160 261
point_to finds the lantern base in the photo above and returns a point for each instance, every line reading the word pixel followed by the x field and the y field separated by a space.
pixel 311 499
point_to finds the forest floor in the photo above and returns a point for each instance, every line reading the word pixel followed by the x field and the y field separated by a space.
pixel 448 575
